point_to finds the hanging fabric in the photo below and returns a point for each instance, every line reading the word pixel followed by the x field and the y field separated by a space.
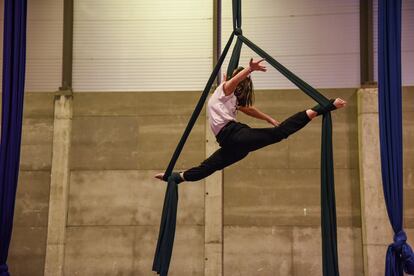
pixel 399 256
pixel 14 63
pixel 168 218
pixel 328 207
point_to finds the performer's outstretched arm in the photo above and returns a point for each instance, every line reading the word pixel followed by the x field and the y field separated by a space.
pixel 256 113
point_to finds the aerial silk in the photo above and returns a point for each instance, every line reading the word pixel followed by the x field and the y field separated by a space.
pixel 14 61
pixel 399 257
pixel 328 210
pixel 169 212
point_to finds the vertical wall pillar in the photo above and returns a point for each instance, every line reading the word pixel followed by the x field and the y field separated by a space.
pixel 213 193
pixel 59 186
pixel 213 239
pixel 59 180
pixel 376 229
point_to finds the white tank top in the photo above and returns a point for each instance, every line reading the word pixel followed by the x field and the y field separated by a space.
pixel 221 109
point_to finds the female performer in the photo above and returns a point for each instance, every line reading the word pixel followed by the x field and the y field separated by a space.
pixel 236 139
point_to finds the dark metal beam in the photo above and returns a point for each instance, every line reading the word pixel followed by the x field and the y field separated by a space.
pixel 366 43
pixel 67 46
pixel 217 34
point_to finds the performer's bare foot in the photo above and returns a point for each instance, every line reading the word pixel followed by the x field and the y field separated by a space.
pixel 160 176
pixel 338 103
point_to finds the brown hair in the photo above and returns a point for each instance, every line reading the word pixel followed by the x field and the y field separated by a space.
pixel 244 90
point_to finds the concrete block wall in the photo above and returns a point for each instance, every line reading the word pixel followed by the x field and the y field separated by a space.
pixel 28 244
pixel 271 199
pixel 119 142
pixel 408 143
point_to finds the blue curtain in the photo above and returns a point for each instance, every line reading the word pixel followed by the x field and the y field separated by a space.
pixel 399 256
pixel 14 59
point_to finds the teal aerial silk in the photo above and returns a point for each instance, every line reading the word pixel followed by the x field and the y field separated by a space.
pixel 328 209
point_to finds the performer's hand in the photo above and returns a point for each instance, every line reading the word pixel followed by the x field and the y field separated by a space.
pixel 273 122
pixel 256 66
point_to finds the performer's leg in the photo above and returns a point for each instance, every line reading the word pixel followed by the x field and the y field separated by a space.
pixel 251 139
pixel 217 161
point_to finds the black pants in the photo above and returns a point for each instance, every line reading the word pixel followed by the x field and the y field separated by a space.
pixel 236 140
